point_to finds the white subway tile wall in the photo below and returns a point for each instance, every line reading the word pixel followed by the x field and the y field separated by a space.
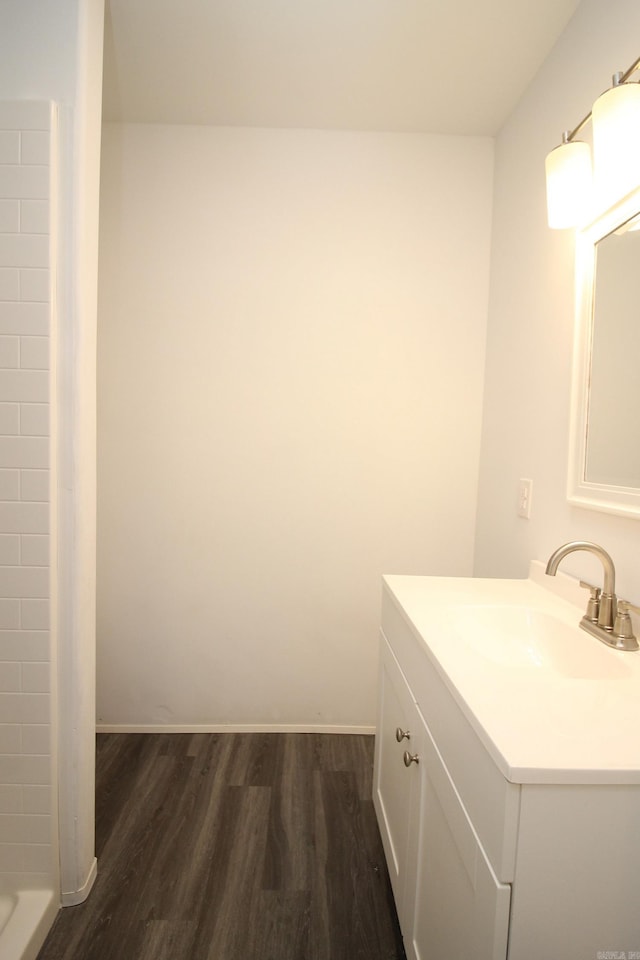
pixel 25 352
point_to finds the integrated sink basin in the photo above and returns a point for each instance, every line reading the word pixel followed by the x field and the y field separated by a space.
pixel 550 702
pixel 527 638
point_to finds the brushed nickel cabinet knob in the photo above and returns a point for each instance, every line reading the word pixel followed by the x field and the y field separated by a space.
pixel 410 758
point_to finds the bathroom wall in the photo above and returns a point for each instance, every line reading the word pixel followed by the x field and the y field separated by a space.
pixel 529 346
pixel 28 847
pixel 53 52
pixel 291 352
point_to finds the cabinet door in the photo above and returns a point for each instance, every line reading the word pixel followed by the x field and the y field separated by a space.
pixel 393 781
pixel 458 909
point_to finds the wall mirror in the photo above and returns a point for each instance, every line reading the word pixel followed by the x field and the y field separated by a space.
pixel 604 456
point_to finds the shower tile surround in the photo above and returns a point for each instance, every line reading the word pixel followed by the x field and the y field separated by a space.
pixel 26 853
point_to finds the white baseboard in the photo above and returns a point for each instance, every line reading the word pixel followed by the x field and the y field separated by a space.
pixel 231 728
pixel 73 897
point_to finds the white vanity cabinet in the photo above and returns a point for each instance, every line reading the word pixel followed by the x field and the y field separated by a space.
pixel 448 899
pixel 491 858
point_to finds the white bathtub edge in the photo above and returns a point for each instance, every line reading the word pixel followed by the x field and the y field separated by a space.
pixel 29 924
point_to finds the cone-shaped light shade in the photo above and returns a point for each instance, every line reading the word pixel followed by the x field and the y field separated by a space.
pixel 616 143
pixel 568 170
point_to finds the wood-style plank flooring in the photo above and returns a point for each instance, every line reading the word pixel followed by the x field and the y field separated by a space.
pixel 233 847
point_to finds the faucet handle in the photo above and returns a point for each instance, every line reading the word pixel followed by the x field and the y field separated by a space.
pixel 627 605
pixel 593 604
pixel 623 628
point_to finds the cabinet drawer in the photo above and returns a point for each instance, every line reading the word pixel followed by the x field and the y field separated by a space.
pixel 491 801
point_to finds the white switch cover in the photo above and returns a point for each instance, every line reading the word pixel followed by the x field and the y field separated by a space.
pixel 524 498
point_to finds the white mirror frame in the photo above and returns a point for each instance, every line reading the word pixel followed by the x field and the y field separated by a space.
pixel 624 501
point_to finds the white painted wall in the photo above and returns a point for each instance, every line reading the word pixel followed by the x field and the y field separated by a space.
pixel 529 346
pixel 53 51
pixel 291 345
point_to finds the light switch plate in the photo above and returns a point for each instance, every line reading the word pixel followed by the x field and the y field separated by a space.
pixel 525 488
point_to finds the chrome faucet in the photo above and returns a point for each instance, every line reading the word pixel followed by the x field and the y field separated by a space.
pixel 606 618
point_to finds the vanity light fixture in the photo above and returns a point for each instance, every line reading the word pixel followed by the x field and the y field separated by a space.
pixel 569 179
pixel 572 191
pixel 616 141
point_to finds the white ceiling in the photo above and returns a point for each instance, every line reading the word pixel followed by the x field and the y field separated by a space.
pixel 437 66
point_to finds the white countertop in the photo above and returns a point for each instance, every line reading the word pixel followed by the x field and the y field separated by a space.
pixel 538 725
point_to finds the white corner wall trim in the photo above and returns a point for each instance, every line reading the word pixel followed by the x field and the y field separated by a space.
pixel 73 897
pixel 232 728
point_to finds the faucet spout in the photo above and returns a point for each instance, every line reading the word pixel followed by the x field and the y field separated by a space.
pixel 613 625
pixel 609 586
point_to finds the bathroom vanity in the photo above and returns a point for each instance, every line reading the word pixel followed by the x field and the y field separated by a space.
pixel 507 772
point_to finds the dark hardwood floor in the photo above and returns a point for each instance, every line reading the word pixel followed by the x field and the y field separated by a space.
pixel 233 847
